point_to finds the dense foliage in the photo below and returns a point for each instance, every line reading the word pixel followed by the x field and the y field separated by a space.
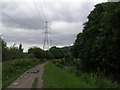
pixel 39 53
pixel 11 52
pixel 98 46
pixel 63 53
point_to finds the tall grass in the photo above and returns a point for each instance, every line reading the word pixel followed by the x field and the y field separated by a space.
pixel 93 79
pixel 56 77
pixel 12 69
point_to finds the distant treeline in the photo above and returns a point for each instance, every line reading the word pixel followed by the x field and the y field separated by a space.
pixel 13 52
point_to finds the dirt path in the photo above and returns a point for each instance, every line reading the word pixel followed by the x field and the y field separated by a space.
pixel 26 80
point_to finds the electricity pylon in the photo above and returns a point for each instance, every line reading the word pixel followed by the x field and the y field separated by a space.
pixel 46 38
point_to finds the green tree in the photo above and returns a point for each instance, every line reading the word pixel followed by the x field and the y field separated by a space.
pixel 37 52
pixel 3 51
pixel 98 46
pixel 56 52
pixel 48 55
pixel 20 48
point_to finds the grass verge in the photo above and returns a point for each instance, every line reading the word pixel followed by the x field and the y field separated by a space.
pixel 34 85
pixel 94 79
pixel 55 77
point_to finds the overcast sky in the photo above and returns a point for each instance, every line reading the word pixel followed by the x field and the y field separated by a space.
pixel 23 22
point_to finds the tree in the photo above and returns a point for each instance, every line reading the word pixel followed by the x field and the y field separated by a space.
pixel 59 53
pixel 20 48
pixel 48 55
pixel 10 53
pixel 3 50
pixel 56 52
pixel 37 52
pixel 98 46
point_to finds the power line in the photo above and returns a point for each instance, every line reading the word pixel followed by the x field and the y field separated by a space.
pixel 46 9
pixel 12 19
pixel 31 8
pixel 43 8
pixel 38 12
pixel 24 14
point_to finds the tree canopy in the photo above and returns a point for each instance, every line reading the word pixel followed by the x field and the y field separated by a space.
pixel 98 46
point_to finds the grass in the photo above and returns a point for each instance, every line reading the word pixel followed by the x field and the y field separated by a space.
pixel 98 81
pixel 12 69
pixel 55 77
pixel 34 85
pixel 93 79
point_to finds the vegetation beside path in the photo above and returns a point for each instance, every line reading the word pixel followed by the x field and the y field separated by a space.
pixel 14 68
pixel 56 77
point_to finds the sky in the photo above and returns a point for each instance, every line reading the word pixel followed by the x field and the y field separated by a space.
pixel 23 21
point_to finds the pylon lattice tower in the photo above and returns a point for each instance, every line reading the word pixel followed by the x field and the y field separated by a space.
pixel 46 38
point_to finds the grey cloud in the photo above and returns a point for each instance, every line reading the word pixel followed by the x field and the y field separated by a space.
pixel 66 12
pixel 64 40
pixel 23 36
pixel 14 16
pixel 22 23
pixel 69 13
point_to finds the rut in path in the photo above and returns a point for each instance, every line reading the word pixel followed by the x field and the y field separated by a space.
pixel 26 80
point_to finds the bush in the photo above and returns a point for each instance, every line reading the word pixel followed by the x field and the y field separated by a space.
pixel 68 59
pixel 58 62
pixel 37 52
